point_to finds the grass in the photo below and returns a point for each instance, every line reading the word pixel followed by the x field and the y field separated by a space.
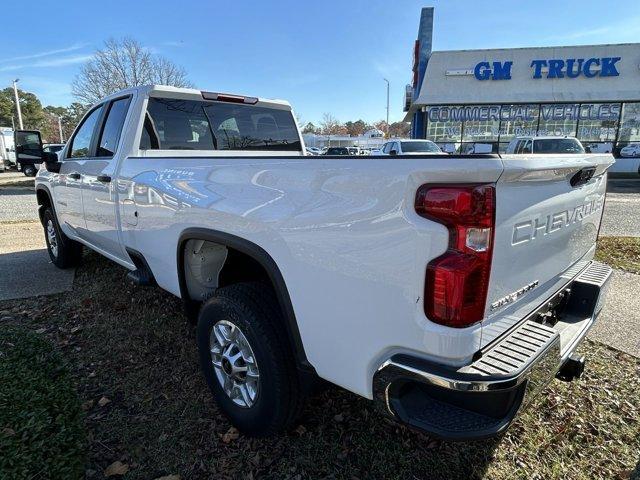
pixel 133 349
pixel 41 429
pixel 620 252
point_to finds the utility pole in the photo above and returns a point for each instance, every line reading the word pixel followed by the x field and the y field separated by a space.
pixel 15 93
pixel 60 129
pixel 387 106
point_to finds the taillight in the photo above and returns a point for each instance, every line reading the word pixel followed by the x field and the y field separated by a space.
pixel 457 281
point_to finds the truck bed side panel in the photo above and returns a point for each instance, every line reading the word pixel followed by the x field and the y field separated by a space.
pixel 343 232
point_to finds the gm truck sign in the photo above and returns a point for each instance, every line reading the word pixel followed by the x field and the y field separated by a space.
pixel 552 68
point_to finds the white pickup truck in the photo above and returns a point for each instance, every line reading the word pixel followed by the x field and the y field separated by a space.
pixel 449 289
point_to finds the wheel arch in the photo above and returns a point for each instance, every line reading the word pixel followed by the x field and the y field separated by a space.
pixel 266 262
pixel 45 199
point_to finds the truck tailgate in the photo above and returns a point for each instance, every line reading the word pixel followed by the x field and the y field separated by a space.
pixel 548 212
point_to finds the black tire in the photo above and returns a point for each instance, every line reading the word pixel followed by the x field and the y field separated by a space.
pixel 253 309
pixel 67 253
pixel 29 171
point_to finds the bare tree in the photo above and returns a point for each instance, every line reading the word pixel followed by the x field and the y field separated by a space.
pixel 331 126
pixel 122 64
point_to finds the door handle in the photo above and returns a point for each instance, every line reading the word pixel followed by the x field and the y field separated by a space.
pixel 74 176
pixel 103 178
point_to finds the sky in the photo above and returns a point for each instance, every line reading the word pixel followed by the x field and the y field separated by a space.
pixel 329 56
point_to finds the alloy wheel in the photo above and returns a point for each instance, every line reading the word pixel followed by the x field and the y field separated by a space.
pixel 234 363
pixel 52 238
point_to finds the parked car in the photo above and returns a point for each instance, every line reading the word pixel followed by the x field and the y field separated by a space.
pixel 410 147
pixel 354 150
pixel 446 289
pixel 545 145
pixel 626 167
pixel 337 151
pixel 631 150
pixel 313 151
pixel 599 147
pixel 7 149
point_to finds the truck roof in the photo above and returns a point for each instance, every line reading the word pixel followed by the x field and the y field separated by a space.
pixel 189 94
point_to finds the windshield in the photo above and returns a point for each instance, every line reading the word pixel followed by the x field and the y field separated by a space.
pixel 411 147
pixel 557 145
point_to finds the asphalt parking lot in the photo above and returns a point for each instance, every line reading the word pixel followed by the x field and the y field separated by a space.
pixel 622 209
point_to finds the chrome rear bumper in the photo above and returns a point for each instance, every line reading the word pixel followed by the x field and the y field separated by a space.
pixel 481 399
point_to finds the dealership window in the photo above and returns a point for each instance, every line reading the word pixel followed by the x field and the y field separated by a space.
pixel 601 127
pixel 558 119
pixel 481 130
pixel 630 124
pixel 442 130
pixel 517 121
pixel 598 122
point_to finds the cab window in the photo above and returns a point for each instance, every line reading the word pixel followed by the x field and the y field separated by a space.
pixel 81 141
pixel 174 124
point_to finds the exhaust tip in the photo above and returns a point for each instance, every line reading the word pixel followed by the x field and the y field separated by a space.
pixel 571 369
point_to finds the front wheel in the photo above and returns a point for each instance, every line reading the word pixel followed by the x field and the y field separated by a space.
pixel 29 170
pixel 63 252
pixel 246 360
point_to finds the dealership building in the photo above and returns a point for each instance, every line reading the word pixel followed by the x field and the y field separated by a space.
pixel 479 100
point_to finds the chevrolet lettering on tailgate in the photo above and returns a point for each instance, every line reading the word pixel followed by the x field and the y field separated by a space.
pixel 529 230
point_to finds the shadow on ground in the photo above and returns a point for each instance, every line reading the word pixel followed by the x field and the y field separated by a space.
pixel 619 185
pixel 29 273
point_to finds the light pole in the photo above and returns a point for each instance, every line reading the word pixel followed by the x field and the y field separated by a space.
pixel 15 93
pixel 60 128
pixel 387 106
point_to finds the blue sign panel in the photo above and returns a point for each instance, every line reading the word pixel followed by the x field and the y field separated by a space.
pixel 555 68
pixel 575 67
pixel 500 71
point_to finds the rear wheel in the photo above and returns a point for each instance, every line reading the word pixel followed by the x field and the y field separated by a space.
pixel 247 361
pixel 63 251
pixel 29 170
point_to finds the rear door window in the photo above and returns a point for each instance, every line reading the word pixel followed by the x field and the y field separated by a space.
pixel 113 127
pixel 174 124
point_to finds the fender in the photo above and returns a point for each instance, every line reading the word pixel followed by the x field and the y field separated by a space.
pixel 264 259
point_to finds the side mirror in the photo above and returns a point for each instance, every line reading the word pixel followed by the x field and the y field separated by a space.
pixel 393 152
pixel 52 161
pixel 28 145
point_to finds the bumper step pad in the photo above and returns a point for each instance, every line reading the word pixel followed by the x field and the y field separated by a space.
pixel 515 351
